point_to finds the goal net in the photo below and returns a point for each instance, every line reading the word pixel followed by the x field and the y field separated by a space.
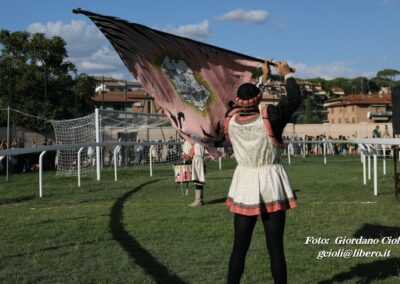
pixel 75 131
pixel 116 126
pixel 143 128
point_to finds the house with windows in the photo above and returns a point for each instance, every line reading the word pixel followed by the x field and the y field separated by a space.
pixel 122 95
pixel 359 108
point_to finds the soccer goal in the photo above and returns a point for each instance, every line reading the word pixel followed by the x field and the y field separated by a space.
pixel 144 138
pixel 75 131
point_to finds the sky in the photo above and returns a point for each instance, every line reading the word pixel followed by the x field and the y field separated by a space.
pixel 329 39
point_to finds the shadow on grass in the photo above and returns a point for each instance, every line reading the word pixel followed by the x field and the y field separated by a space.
pixel 140 256
pixel 368 272
pixel 16 200
pixel 216 201
pixel 377 231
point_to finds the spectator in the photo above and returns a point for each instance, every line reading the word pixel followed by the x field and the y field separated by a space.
pixel 376 133
pixel 139 149
pixel 386 133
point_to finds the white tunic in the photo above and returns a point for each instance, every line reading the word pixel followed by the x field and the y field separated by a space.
pixel 198 164
pixel 260 183
pixel 186 148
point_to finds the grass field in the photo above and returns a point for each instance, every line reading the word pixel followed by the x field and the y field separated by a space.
pixel 140 230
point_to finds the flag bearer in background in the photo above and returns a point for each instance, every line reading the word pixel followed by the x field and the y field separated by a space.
pixel 196 153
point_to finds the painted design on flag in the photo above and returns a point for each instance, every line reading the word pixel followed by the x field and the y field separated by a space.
pixel 192 81
pixel 185 82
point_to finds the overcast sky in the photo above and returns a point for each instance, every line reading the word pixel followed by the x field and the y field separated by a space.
pixel 347 38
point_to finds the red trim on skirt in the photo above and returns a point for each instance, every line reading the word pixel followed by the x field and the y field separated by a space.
pixel 251 210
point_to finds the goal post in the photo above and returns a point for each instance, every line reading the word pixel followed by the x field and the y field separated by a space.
pixel 97 129
pixel 104 125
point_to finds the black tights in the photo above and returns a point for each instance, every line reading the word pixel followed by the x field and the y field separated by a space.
pixel 274 225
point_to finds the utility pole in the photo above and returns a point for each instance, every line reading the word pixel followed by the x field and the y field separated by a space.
pixel 45 98
pixel 362 85
pixel 8 140
pixel 102 93
pixel 8 119
pixel 126 95
pixel 76 92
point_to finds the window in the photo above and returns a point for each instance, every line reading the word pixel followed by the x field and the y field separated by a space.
pixel 340 120
pixel 333 120
pixel 352 108
pixel 333 110
pixel 353 120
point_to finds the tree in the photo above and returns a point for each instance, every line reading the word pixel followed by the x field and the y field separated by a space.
pixel 377 82
pixel 360 85
pixel 85 91
pixel 320 81
pixel 36 78
pixel 308 113
pixel 388 74
pixel 307 117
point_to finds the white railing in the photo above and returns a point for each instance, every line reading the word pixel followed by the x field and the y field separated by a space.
pixel 368 149
pixel 44 149
pixel 41 173
pixel 79 165
pixel 116 151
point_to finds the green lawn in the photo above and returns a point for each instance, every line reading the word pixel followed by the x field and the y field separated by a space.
pixel 140 230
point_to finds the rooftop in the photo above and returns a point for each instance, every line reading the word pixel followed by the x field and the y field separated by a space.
pixel 132 96
pixel 360 99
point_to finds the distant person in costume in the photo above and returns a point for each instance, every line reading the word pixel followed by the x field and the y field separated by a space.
pixel 260 185
pixel 386 133
pixel 196 153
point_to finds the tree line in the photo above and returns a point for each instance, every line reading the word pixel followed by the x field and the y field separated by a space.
pixel 37 78
pixel 361 85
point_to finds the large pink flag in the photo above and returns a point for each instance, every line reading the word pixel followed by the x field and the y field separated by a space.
pixel 192 81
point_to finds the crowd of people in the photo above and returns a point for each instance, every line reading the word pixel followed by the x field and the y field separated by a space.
pixel 314 145
pixel 25 163
pixel 16 163
pixel 139 154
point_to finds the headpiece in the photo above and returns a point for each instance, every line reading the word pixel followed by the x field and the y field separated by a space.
pixel 248 95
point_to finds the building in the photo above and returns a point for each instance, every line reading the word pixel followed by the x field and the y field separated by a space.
pixel 359 108
pixel 336 92
pixel 121 95
pixel 274 90
pixel 109 84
